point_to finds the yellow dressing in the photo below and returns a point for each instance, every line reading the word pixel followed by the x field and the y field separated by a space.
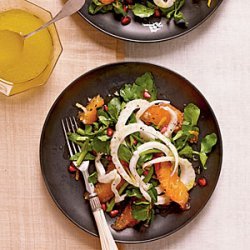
pixel 11 47
pixel 36 52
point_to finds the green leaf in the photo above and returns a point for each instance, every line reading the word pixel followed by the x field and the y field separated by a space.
pixel 104 120
pixel 100 146
pixel 118 8
pixel 149 175
pixel 114 108
pixel 142 11
pixel 187 151
pixel 208 142
pixel 135 91
pixel 141 211
pixel 93 178
pixel 84 150
pixel 203 159
pixel 124 153
pixel 135 192
pixel 153 194
pixel 191 114
pixel 104 137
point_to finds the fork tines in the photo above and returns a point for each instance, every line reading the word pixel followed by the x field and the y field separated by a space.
pixel 69 125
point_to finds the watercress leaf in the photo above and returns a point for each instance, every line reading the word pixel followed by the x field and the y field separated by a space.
pixel 187 151
pixel 104 120
pixel 135 91
pixel 93 178
pixel 203 159
pixel 135 192
pixel 153 194
pixel 208 142
pixel 84 150
pixel 130 92
pixel 191 114
pixel 142 11
pixel 104 137
pixel 124 153
pixel 74 137
pixel 100 146
pixel 146 82
pixel 114 108
pixel 178 135
pixel 118 8
pixel 141 212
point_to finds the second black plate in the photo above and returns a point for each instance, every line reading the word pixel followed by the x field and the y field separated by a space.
pixel 195 14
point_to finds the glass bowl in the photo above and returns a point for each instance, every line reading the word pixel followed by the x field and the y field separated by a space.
pixel 11 87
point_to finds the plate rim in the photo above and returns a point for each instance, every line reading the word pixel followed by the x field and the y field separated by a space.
pixel 117 64
pixel 186 31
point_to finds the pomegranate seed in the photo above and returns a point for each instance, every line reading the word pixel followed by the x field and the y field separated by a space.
pixel 135 142
pixel 104 207
pixel 164 129
pixel 125 20
pixel 146 94
pixel 72 169
pixel 125 8
pixel 157 13
pixel 202 181
pixel 105 107
pixel 110 131
pixel 145 173
pixel 113 213
pixel 109 157
pixel 158 155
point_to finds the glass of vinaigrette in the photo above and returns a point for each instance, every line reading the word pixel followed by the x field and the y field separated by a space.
pixel 30 64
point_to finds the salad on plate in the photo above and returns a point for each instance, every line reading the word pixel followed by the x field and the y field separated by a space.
pixel 146 152
pixel 142 9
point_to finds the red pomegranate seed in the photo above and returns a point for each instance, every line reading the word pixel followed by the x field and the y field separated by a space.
pixel 109 157
pixel 202 181
pixel 125 20
pixel 110 131
pixel 157 13
pixel 104 207
pixel 113 213
pixel 72 168
pixel 145 173
pixel 125 8
pixel 146 94
pixel 164 129
pixel 135 142
pixel 105 107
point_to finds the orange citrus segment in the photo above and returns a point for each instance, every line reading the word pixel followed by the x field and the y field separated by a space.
pixel 90 116
pixel 161 117
pixel 172 185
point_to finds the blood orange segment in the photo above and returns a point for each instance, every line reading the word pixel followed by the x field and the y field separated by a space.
pixel 172 185
pixel 161 117
pixel 90 116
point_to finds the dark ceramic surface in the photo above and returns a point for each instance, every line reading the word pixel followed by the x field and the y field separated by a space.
pixel 195 14
pixel 68 193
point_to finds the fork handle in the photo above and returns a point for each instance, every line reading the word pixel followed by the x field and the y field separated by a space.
pixel 106 238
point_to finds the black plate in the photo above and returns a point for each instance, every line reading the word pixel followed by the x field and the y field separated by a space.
pixel 195 14
pixel 68 193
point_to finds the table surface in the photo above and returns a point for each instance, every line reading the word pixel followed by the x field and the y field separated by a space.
pixel 214 57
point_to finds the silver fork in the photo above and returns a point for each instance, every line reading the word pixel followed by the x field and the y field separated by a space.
pixel 107 241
